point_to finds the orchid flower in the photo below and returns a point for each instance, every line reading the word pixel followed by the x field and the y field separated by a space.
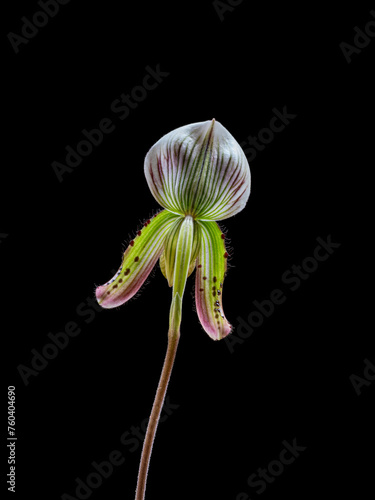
pixel 199 175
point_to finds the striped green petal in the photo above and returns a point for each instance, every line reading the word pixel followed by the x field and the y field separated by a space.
pixel 169 254
pixel 199 170
pixel 184 247
pixel 211 269
pixel 168 257
pixel 162 265
pixel 195 249
pixel 138 260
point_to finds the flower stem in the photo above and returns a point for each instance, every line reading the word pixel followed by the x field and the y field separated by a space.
pixel 181 266
pixel 173 338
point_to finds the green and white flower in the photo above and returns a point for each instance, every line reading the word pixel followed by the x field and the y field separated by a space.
pixel 199 175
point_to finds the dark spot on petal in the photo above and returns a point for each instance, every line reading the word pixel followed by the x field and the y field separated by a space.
pixel 114 286
pixel 127 271
pixel 108 292
pixel 218 292
pixel 214 279
pixel 201 289
pixel 204 277
pixel 139 233
pixel 226 255
pixel 120 281
pixel 148 222
pixel 136 259
pixel 216 316
pixel 213 294
pixel 131 243
pixel 217 303
pixel 200 265
pixel 223 236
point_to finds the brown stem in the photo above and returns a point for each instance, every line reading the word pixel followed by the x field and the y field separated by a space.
pixel 173 338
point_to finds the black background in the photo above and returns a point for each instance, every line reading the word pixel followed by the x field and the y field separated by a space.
pixel 290 379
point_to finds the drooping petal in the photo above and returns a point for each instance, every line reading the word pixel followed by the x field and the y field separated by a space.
pixel 168 257
pixel 162 265
pixel 183 255
pixel 195 249
pixel 138 261
pixel 211 268
pixel 169 254
pixel 199 169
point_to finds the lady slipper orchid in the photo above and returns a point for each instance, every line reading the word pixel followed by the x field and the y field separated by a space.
pixel 199 175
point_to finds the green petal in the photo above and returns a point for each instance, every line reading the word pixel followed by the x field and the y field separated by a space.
pixel 183 255
pixel 170 249
pixel 211 269
pixel 195 249
pixel 138 261
pixel 162 265
pixel 168 257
